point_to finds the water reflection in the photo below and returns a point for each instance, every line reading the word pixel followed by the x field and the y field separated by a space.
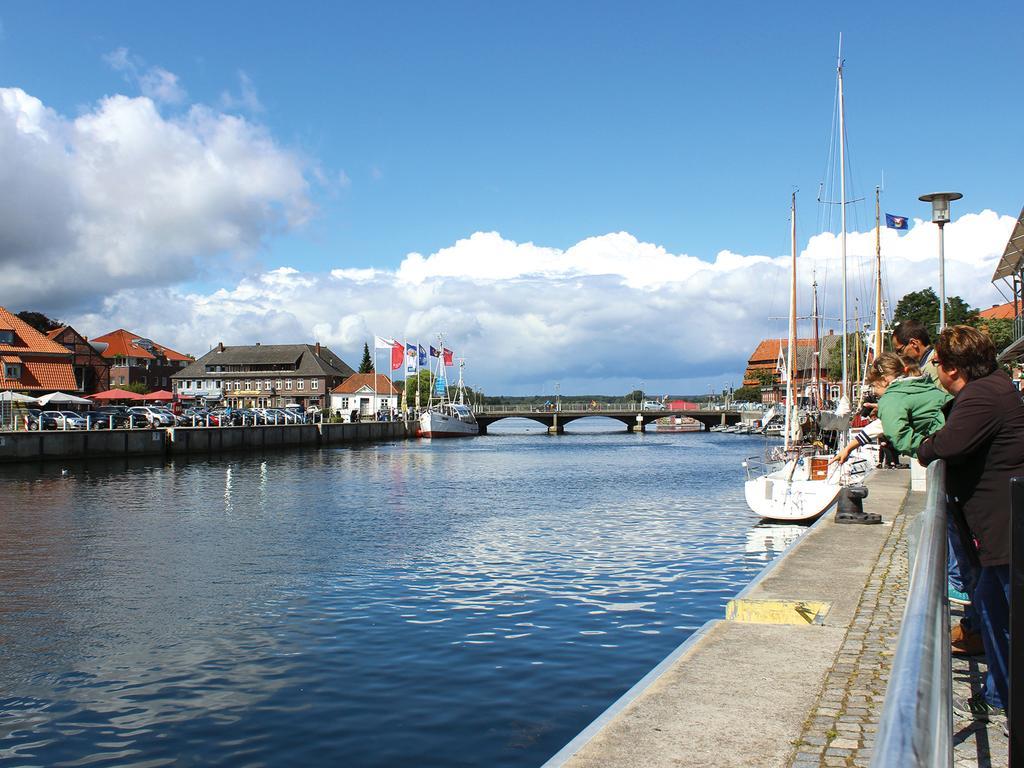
pixel 371 602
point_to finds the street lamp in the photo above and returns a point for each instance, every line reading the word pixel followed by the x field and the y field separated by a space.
pixel 558 398
pixel 940 215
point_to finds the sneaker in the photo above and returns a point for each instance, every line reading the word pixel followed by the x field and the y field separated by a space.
pixel 958 597
pixel 976 708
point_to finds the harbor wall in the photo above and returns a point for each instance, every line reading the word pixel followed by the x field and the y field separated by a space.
pixel 184 441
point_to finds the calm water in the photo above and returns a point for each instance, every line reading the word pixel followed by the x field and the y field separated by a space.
pixel 459 603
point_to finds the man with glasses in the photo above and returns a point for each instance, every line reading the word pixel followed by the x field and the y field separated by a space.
pixel 983 445
pixel 910 338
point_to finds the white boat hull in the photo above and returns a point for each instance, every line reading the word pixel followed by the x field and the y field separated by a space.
pixel 434 424
pixel 775 498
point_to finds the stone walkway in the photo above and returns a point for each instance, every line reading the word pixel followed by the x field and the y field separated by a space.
pixel 840 730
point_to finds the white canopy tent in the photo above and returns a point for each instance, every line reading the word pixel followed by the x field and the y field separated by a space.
pixel 10 404
pixel 60 398
pixel 16 397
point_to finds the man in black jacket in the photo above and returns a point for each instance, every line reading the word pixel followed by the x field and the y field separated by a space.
pixel 983 445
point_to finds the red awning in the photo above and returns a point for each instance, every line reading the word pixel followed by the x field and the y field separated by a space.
pixel 162 395
pixel 116 394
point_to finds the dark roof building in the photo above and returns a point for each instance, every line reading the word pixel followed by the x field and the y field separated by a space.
pixel 263 375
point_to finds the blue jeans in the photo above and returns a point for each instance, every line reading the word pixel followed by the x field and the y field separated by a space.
pixel 992 601
pixel 960 570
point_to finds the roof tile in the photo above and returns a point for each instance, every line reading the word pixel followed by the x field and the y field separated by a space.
pixel 27 340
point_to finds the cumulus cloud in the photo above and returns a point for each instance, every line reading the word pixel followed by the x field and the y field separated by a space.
pixel 246 100
pixel 123 196
pixel 601 316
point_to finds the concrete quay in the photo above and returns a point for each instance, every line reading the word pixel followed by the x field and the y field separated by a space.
pixel 184 441
pixel 795 675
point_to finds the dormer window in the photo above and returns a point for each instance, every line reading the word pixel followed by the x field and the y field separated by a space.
pixel 6 336
pixel 12 371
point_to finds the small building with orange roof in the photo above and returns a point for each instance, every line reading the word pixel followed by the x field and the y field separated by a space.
pixel 366 393
pixel 767 363
pixel 1007 311
pixel 135 359
pixel 30 362
pixel 92 369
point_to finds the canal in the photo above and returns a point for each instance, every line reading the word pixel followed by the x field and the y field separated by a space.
pixel 456 603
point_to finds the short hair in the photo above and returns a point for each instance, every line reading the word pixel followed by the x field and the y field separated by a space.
pixel 968 350
pixel 891 364
pixel 906 331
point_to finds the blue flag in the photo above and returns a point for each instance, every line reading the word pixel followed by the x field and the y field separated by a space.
pixel 438 386
pixel 423 356
pixel 895 222
pixel 435 352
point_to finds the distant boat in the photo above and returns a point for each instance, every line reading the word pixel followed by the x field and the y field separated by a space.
pixel 678 424
pixel 445 416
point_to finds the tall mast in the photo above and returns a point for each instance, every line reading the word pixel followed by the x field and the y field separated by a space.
pixel 817 348
pixel 791 366
pixel 878 276
pixel 842 203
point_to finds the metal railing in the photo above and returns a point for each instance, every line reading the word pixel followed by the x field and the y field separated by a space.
pixel 917 720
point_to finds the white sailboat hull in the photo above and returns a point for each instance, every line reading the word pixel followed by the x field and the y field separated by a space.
pixel 433 423
pixel 774 497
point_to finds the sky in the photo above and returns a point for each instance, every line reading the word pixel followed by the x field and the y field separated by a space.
pixel 589 194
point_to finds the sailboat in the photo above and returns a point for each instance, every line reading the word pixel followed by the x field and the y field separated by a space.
pixel 447 416
pixel 799 483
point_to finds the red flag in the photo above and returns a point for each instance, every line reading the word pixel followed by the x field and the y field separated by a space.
pixel 397 355
pixel 448 357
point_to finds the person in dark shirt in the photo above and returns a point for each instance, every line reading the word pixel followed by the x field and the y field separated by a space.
pixel 983 445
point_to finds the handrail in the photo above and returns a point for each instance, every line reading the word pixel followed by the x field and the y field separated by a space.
pixel 917 720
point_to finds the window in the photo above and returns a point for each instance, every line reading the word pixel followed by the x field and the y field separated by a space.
pixel 344 403
pixel 12 371
pixel 6 336
pixel 287 383
pixel 187 384
pixel 266 384
pixel 300 384
pixel 217 384
pixel 279 384
pixel 314 383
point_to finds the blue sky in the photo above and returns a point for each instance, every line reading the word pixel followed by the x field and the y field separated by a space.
pixel 417 125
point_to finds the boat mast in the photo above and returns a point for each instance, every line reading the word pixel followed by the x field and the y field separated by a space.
pixel 842 203
pixel 791 367
pixel 817 349
pixel 878 276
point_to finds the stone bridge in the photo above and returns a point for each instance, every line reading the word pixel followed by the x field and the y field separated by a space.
pixel 555 420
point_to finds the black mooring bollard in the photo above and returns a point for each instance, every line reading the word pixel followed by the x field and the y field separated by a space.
pixel 851 506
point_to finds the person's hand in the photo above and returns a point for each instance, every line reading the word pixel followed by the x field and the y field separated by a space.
pixel 871 408
pixel 841 457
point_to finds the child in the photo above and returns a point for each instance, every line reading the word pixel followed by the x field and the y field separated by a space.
pixel 909 406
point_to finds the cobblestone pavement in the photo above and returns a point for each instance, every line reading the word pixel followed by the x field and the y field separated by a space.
pixel 840 729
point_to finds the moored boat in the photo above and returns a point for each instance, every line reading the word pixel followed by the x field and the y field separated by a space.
pixel 448 420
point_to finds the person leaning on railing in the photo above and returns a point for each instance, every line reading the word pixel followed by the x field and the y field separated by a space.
pixel 983 445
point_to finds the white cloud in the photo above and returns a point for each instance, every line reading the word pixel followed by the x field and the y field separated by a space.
pixel 123 196
pixel 154 83
pixel 599 317
pixel 247 100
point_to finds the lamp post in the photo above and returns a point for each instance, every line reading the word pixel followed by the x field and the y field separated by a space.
pixel 558 398
pixel 940 215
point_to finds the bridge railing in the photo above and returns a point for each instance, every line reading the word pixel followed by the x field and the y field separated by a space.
pixel 577 407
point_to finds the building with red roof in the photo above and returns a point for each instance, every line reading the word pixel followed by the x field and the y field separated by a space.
pixel 1006 311
pixel 134 359
pixel 92 369
pixel 366 393
pixel 30 362
pixel 766 363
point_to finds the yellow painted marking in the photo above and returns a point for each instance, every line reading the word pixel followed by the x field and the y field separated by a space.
pixel 776 611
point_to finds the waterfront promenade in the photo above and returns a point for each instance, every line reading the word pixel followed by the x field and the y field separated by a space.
pixel 796 677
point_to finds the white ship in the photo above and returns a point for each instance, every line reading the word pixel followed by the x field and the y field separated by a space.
pixel 446 416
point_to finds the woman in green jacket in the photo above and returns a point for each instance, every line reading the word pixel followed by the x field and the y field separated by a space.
pixel 909 406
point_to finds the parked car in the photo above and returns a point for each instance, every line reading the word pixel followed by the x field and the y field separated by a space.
pixel 179 421
pixel 39 419
pixel 119 413
pixel 66 420
pixel 104 420
pixel 147 415
pixel 233 419
pixel 653 405
pixel 202 416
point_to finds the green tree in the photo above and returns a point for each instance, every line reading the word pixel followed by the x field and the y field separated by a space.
pixel 999 329
pixel 366 366
pixel 636 396
pixel 39 321
pixel 923 306
pixel 137 387
pixel 764 376
pixel 747 394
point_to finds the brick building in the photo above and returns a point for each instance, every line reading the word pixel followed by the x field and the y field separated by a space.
pixel 134 359
pixel 30 362
pixel 92 369
pixel 263 376
pixel 765 366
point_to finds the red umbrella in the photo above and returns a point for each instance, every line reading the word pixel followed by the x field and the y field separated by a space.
pixel 160 395
pixel 116 394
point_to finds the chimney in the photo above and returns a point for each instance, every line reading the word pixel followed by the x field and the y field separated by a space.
pixel 220 347
pixel 317 353
pixel 831 331
pixel 257 343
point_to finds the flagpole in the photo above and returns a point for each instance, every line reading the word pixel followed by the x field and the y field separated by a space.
pixel 878 275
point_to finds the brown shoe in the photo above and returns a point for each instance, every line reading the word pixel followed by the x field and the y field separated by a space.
pixel 965 643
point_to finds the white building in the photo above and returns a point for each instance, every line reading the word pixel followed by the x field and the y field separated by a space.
pixel 362 394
